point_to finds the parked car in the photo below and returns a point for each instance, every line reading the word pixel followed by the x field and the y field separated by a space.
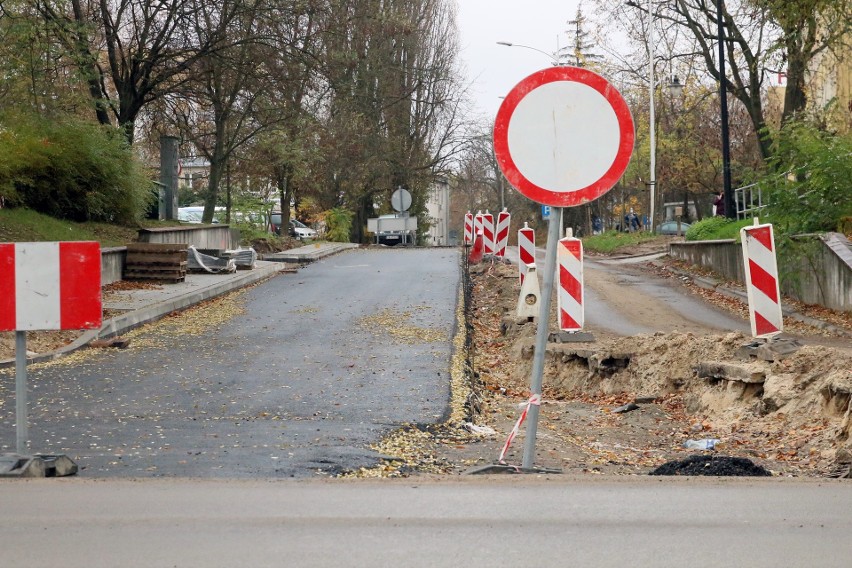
pixel 301 231
pixel 193 214
pixel 275 222
pixel 296 229
pixel 671 228
pixel 394 237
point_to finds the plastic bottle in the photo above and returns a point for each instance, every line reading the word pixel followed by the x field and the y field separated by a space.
pixel 707 444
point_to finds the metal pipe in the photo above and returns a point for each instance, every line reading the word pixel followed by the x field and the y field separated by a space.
pixel 21 391
pixel 543 330
pixel 652 127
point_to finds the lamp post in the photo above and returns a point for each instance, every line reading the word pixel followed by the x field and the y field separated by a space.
pixel 675 92
pixel 553 60
pixel 652 134
pixel 730 213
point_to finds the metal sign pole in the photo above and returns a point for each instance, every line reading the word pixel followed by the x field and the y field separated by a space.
pixel 21 390
pixel 543 330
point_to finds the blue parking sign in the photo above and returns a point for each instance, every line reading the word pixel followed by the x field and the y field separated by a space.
pixel 545 212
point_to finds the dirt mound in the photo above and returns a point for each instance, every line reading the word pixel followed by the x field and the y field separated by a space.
pixel 793 413
pixel 712 465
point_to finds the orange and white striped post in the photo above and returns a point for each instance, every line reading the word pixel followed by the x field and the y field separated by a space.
pixel 468 228
pixel 569 258
pixel 488 231
pixel 526 251
pixel 504 220
pixel 761 275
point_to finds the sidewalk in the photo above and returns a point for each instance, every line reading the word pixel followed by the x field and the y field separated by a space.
pixel 143 305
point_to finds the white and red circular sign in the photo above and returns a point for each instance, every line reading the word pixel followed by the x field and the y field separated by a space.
pixel 563 136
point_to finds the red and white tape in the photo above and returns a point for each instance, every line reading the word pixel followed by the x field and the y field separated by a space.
pixel 761 271
pixel 534 399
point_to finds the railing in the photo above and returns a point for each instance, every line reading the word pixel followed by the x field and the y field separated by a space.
pixel 749 201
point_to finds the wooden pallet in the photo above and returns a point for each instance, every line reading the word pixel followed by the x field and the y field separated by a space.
pixel 156 261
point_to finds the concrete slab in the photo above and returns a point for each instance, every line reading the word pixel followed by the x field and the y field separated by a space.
pixel 16 465
pixel 571 337
pixel 58 465
pixel 309 253
pixel 774 349
pixel 500 468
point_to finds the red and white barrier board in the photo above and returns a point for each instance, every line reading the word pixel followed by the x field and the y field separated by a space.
pixel 488 232
pixel 468 228
pixel 47 286
pixel 526 251
pixel 504 220
pixel 761 272
pixel 477 224
pixel 569 258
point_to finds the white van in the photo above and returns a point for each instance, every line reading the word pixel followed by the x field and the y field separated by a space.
pixel 194 214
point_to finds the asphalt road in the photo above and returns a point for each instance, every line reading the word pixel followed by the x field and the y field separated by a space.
pixel 624 300
pixel 621 299
pixel 506 521
pixel 320 365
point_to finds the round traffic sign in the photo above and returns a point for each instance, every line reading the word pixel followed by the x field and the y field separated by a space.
pixel 563 136
pixel 401 199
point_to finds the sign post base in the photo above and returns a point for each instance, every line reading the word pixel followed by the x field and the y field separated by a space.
pixel 506 468
pixel 571 337
pixel 38 465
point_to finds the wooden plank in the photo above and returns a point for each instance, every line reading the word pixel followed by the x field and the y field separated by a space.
pixel 170 258
pixel 156 247
pixel 157 267
pixel 154 273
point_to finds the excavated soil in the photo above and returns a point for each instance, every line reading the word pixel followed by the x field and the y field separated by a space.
pixel 790 416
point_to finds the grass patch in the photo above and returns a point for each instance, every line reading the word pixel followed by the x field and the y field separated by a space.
pixel 26 225
pixel 613 240
pixel 21 225
pixel 716 228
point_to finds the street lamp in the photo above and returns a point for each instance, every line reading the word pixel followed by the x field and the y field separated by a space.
pixel 652 135
pixel 675 89
pixel 730 213
pixel 553 60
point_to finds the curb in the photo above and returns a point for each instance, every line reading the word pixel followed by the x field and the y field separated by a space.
pixel 717 286
pixel 309 256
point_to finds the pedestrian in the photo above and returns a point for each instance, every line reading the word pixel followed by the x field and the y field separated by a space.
pixel 631 222
pixel 719 204
pixel 597 225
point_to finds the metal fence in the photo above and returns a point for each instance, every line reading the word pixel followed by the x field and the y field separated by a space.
pixel 749 201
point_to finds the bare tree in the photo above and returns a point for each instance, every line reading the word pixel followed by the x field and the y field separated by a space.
pixel 394 99
pixel 131 52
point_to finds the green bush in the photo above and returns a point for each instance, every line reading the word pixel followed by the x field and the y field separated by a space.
pixel 338 225
pixel 811 192
pixel 714 228
pixel 613 240
pixel 71 169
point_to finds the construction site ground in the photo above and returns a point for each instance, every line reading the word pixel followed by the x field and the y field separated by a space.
pixel 791 415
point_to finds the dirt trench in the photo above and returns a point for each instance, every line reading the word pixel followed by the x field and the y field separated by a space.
pixel 791 415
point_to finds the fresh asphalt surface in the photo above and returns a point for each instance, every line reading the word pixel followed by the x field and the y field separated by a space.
pixel 299 385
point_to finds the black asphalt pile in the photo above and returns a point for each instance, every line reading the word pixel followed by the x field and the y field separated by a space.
pixel 712 465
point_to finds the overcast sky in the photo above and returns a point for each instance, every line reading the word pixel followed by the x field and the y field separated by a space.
pixel 495 69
